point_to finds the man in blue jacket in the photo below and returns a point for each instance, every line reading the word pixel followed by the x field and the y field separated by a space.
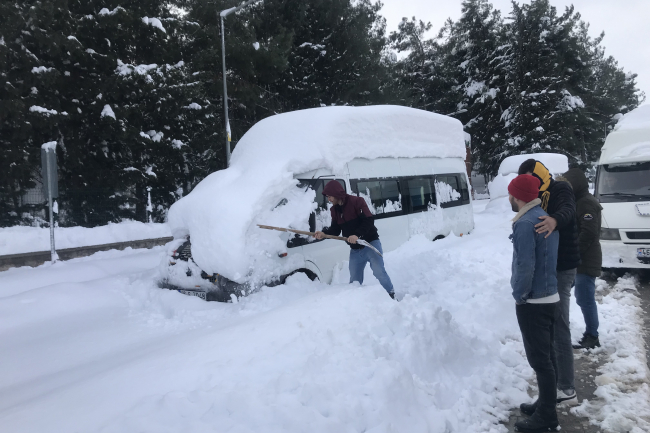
pixel 534 287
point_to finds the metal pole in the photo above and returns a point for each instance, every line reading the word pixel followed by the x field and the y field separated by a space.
pixel 225 90
pixel 223 14
pixel 49 199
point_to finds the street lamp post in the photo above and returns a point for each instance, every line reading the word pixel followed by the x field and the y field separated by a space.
pixel 223 14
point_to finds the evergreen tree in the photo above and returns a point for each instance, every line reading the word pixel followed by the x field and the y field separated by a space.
pixel 473 57
pixel 423 78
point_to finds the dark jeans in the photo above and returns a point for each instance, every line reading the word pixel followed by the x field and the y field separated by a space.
pixel 562 337
pixel 536 322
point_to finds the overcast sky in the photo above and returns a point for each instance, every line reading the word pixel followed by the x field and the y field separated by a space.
pixel 625 23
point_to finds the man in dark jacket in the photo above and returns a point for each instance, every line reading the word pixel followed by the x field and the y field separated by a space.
pixel 558 201
pixel 534 287
pixel 350 215
pixel 588 219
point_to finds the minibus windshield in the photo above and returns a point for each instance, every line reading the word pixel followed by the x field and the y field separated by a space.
pixel 624 182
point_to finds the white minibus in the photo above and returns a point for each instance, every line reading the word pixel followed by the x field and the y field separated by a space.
pixel 623 189
pixel 407 164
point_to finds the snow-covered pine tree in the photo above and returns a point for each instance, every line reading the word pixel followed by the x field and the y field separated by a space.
pixel 336 55
pixel 33 48
pixel 423 79
pixel 545 71
pixel 472 55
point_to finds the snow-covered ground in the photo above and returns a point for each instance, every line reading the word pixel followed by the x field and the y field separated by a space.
pixel 92 345
pixel 21 239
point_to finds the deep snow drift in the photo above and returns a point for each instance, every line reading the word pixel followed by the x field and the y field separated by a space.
pixel 221 213
pixel 92 345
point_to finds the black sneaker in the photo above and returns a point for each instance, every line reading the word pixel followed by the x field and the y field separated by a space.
pixel 537 424
pixel 392 295
pixel 587 341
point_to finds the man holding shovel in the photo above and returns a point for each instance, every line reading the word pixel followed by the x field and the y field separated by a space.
pixel 350 215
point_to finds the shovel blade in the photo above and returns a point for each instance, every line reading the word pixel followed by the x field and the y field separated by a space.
pixel 367 244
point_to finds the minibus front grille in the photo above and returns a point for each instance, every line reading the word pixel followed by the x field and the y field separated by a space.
pixel 638 235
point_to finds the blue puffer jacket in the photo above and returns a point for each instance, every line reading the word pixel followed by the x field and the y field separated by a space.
pixel 534 258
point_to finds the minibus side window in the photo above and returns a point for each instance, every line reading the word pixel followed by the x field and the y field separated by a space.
pixel 382 196
pixel 421 193
pixel 448 190
pixel 464 190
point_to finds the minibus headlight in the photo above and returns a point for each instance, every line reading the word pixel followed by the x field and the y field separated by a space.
pixel 610 234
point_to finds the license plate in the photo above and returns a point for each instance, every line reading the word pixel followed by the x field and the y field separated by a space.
pixel 196 293
pixel 643 252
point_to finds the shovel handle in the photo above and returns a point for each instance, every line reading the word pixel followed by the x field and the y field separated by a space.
pixel 301 232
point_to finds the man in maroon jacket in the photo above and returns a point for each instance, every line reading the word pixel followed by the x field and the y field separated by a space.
pixel 350 215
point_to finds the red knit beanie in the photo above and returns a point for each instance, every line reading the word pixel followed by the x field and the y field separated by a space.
pixel 524 187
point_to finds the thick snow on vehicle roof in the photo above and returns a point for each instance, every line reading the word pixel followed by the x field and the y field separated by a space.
pixel 555 162
pixel 498 187
pixel 630 139
pixel 221 213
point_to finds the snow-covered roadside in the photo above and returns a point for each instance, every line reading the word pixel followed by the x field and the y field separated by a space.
pixel 107 351
pixel 21 239
pixel 623 386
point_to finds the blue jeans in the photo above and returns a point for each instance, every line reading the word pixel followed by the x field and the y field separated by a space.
pixel 358 260
pixel 586 299
pixel 562 331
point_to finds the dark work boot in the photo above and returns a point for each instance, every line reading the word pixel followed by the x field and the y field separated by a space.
pixel 587 341
pixel 392 295
pixel 528 408
pixel 537 424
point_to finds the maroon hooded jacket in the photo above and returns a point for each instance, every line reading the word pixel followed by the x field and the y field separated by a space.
pixel 352 217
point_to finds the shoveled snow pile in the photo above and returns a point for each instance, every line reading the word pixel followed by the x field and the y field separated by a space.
pixel 20 239
pixel 221 213
pixel 498 187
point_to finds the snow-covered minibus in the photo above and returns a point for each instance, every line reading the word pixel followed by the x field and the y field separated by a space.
pixel 407 164
pixel 623 189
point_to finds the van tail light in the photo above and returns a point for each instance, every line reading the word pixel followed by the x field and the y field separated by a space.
pixel 282 255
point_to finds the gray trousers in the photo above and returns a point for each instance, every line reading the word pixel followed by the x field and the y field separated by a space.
pixel 562 334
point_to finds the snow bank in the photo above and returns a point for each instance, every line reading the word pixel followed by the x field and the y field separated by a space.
pixel 304 356
pixel 95 334
pixel 498 187
pixel 20 239
pixel 221 212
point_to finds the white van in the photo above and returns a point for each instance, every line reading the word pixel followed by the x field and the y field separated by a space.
pixel 407 164
pixel 623 189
